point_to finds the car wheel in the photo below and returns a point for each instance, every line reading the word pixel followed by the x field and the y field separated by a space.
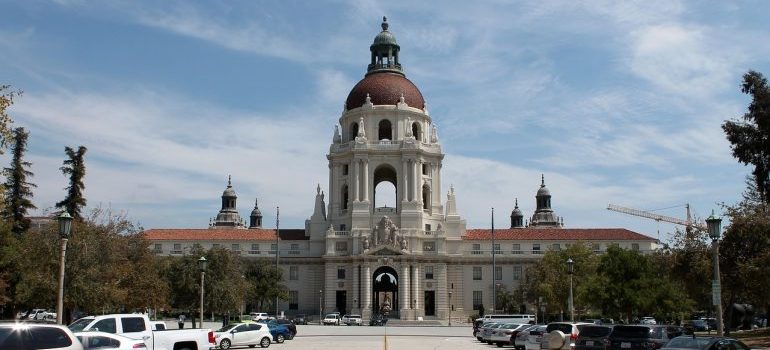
pixel 499 344
pixel 265 342
pixel 279 338
pixel 252 345
pixel 479 338
pixel 224 344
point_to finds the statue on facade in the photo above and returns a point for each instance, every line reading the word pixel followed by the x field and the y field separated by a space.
pixel 385 232
pixel 404 243
pixel 365 243
pixel 385 308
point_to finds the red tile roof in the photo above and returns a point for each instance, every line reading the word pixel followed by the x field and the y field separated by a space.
pixel 558 234
pixel 192 234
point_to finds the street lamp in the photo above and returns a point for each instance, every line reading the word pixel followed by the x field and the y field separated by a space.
pixel 570 268
pixel 450 308
pixel 320 306
pixel 65 228
pixel 714 224
pixel 202 268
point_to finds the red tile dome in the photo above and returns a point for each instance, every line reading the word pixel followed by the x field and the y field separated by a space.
pixel 385 88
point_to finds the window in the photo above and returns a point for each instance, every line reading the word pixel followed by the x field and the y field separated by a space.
pixel 293 300
pixel 273 248
pixel 426 169
pixel 476 249
pixel 294 249
pixel 634 246
pixel 343 227
pixel 516 273
pixel 477 273
pixel 215 245
pixel 496 247
pixel 429 246
pixel 255 326
pixel 596 247
pixel 98 342
pixel 536 248
pixel 106 325
pixel 498 273
pixel 427 228
pixel 340 246
pixel 516 249
pixel 254 249
pixel 235 247
pixel 345 169
pixel 428 272
pixel 45 338
pixel 132 324
pixel 341 273
pixel 294 273
pixel 158 247
pixel 177 246
pixel 555 247
pixel 477 304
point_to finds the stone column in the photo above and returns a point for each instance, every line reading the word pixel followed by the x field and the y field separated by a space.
pixel 356 283
pixel 405 186
pixel 417 181
pixel 403 289
pixel 366 302
pixel 366 180
pixel 355 180
pixel 416 286
pixel 441 292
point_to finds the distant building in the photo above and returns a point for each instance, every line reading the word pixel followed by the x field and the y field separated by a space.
pixel 412 255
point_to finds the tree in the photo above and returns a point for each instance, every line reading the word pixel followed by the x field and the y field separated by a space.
pixel 265 283
pixel 750 138
pixel 226 284
pixel 6 100
pixel 75 167
pixel 17 189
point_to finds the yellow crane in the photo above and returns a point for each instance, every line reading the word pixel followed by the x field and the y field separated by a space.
pixel 688 223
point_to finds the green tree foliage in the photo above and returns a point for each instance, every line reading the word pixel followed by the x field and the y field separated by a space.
pixel 264 284
pixel 18 192
pixel 184 278
pixel 108 267
pixel 8 243
pixel 688 261
pixel 548 278
pixel 6 100
pixel 750 137
pixel 75 167
pixel 225 285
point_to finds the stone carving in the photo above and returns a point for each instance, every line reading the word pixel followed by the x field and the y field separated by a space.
pixel 386 233
pixel 404 243
pixel 385 308
pixel 365 243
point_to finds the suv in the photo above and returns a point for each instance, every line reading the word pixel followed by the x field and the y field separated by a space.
pixel 333 319
pixel 300 319
pixel 37 336
pixel 593 337
pixel 352 320
pixel 561 335
pixel 640 336
pixel 259 316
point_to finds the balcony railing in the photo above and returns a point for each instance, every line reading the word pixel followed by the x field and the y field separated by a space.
pixel 294 252
pixel 342 233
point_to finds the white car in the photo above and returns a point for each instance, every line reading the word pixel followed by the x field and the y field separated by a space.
pixel 648 320
pixel 259 316
pixel 102 340
pixel 41 315
pixel 239 334
pixel 332 319
pixel 37 336
pixel 503 335
pixel 561 335
pixel 352 320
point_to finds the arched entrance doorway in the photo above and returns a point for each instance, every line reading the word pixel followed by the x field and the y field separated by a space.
pixel 385 289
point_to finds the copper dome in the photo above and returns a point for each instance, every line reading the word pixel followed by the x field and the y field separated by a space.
pixel 385 88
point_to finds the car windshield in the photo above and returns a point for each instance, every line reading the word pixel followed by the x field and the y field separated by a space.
pixel 227 328
pixel 631 332
pixel 688 343
pixel 80 324
pixel 509 326
pixel 595 331
pixel 331 316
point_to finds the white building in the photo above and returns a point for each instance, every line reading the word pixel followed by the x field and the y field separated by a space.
pixel 414 256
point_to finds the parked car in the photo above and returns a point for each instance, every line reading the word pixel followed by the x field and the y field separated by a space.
pixel 22 315
pixel 689 342
pixel 279 332
pixel 520 341
pixel 282 322
pixel 41 315
pixel 697 325
pixel 534 338
pixel 258 316
pixel 561 335
pixel 237 334
pixel 486 331
pixel 37 336
pixel 648 320
pixel 505 334
pixel 378 320
pixel 300 319
pixel 640 336
pixel 139 326
pixel 332 319
pixel 104 340
pixel 594 337
pixel 352 320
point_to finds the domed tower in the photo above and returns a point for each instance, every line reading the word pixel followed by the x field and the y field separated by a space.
pixel 517 218
pixel 544 215
pixel 255 219
pixel 385 135
pixel 228 216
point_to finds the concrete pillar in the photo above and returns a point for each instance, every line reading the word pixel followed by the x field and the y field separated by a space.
pixel 403 289
pixel 441 292
pixel 355 180
pixel 405 186
pixel 417 181
pixel 366 303
pixel 416 287
pixel 366 180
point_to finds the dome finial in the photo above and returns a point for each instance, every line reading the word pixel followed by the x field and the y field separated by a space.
pixel 384 23
pixel 516 205
pixel 229 181
pixel 542 180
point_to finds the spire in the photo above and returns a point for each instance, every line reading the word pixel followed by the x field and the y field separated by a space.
pixel 544 215
pixel 542 180
pixel 229 181
pixel 228 216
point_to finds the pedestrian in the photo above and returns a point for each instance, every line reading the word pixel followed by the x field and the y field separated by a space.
pixel 181 321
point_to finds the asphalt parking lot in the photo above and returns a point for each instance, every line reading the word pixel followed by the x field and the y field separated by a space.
pixel 365 337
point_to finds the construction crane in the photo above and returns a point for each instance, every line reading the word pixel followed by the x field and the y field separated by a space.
pixel 688 223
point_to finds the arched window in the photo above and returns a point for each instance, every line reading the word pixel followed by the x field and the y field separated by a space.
pixel 345 197
pixel 353 131
pixel 385 130
pixel 416 131
pixel 425 197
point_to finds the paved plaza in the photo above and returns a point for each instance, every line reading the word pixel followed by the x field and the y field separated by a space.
pixel 365 337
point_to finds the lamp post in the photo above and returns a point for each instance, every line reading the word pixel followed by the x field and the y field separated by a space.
pixel 202 268
pixel 714 224
pixel 320 306
pixel 450 308
pixel 65 228
pixel 570 267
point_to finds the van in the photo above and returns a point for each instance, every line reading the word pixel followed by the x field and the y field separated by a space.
pixel 514 318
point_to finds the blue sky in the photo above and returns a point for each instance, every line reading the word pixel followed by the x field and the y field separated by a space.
pixel 615 102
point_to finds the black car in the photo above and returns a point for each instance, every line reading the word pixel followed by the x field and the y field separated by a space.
pixel 378 320
pixel 300 319
pixel 625 337
pixel 689 342
pixel 593 337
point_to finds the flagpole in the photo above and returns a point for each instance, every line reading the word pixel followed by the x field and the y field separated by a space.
pixel 277 237
pixel 494 268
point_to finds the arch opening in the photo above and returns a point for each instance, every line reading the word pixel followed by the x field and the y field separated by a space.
pixel 353 131
pixel 425 197
pixel 385 184
pixel 385 290
pixel 385 130
pixel 416 131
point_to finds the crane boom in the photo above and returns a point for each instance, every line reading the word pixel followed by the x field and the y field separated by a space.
pixel 645 214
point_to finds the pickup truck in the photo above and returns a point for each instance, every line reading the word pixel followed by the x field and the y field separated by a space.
pixel 138 326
